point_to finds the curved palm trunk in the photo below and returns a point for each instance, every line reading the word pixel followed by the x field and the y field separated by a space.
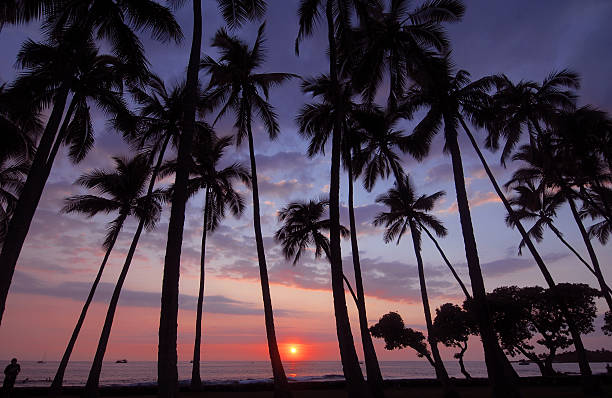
pixel 58 380
pixel 167 372
pixel 591 251
pixel 21 219
pixel 441 373
pixel 499 369
pixel 346 281
pixel 582 260
pixel 590 385
pixel 374 375
pixel 281 386
pixel 350 363
pixel 448 264
pixel 93 380
pixel 196 381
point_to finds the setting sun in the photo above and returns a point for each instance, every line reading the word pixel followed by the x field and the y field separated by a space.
pixel 293 350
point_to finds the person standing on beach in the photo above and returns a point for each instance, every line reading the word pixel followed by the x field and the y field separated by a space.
pixel 10 375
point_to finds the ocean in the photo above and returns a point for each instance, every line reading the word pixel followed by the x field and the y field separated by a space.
pixel 222 372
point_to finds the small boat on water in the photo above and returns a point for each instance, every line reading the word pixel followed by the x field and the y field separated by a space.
pixel 121 361
pixel 523 362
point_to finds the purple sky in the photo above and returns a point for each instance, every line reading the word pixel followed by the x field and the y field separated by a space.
pixel 524 39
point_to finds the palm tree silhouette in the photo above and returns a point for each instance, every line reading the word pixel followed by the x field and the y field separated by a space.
pixel 158 123
pixel 479 111
pixel 379 155
pixel 338 19
pixel 235 12
pixel 314 122
pixel 394 43
pixel 235 86
pixel 446 94
pixel 526 105
pixel 219 196
pixel 148 210
pixel 121 191
pixel 15 153
pixel 540 203
pixel 69 64
pixel 542 165
pixel 408 211
pixel 302 227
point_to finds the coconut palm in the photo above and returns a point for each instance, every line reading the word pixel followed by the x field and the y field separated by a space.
pixel 379 155
pixel 540 204
pixel 445 93
pixel 543 165
pixel 158 124
pixel 394 43
pixel 67 65
pixel 121 191
pixel 478 109
pixel 338 20
pixel 234 85
pixel 527 105
pixel 148 212
pixel 314 122
pixel 113 21
pixel 219 196
pixel 235 12
pixel 15 152
pixel 303 226
pixel 407 212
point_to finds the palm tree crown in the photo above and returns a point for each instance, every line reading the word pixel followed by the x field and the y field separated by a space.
pixel 122 190
pixel 405 207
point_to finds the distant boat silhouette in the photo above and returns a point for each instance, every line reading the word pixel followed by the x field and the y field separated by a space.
pixel 121 361
pixel 43 358
pixel 523 362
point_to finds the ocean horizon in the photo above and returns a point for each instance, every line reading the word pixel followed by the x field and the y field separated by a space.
pixel 133 373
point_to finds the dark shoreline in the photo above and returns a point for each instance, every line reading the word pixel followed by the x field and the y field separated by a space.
pixel 539 381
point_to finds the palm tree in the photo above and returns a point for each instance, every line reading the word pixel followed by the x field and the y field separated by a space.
pixel 158 123
pixel 337 16
pixel 379 154
pixel 445 93
pixel 219 196
pixel 394 43
pixel 478 108
pixel 148 210
pixel 121 190
pixel 540 204
pixel 235 86
pixel 407 211
pixel 113 21
pixel 67 65
pixel 302 227
pixel 543 165
pixel 314 122
pixel 16 150
pixel 235 12
pixel 526 105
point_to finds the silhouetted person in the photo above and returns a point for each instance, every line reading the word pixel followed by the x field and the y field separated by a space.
pixel 10 375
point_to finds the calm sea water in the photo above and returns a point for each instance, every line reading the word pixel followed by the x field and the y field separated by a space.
pixel 134 373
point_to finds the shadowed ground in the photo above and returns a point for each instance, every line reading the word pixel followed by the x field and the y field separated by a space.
pixel 533 387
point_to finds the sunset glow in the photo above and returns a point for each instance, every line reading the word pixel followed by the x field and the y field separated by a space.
pixel 293 350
